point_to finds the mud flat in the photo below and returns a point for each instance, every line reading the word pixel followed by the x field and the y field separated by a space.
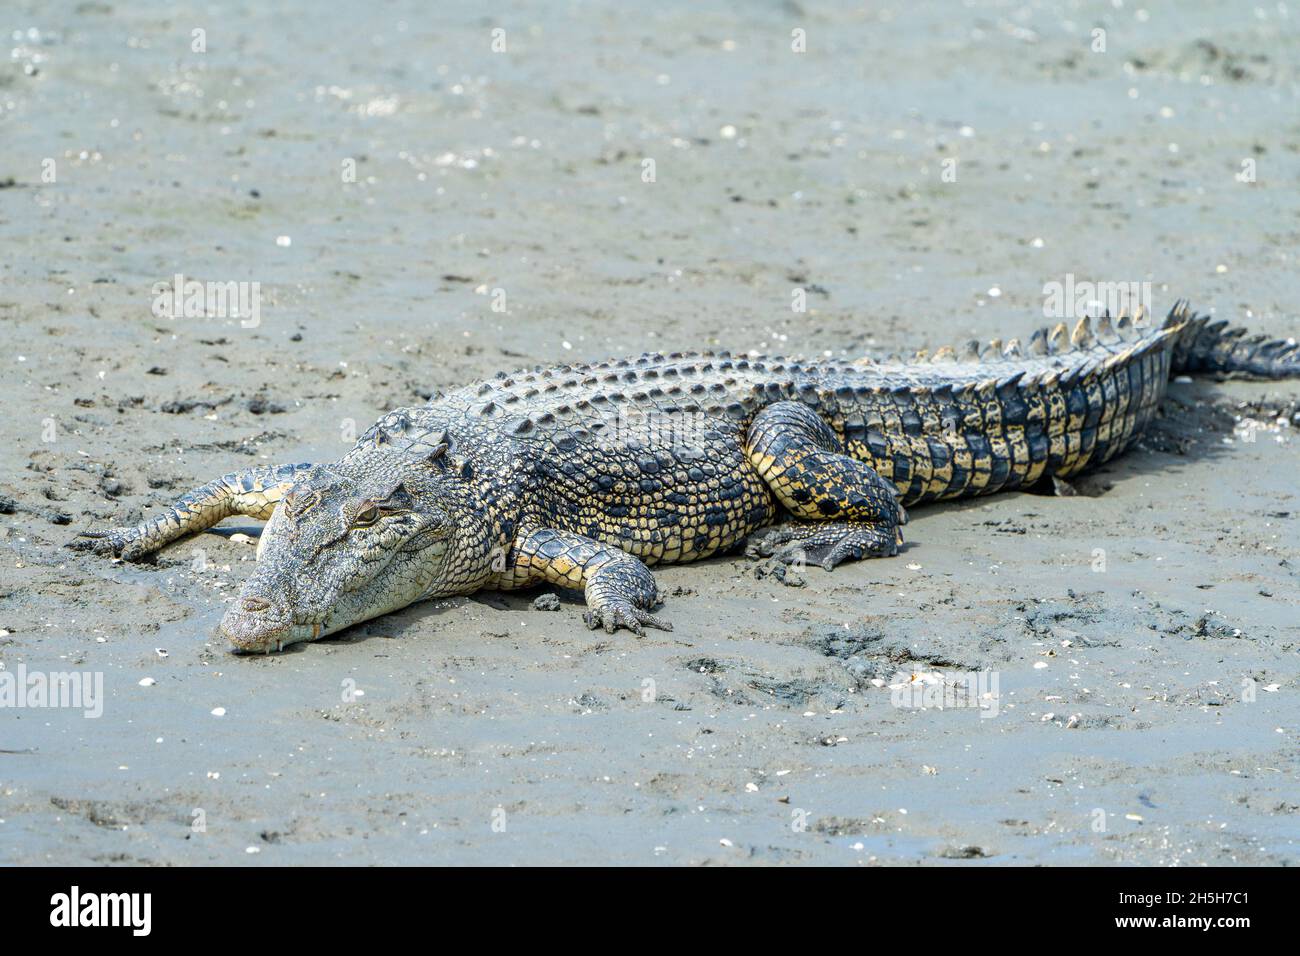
pixel 1143 634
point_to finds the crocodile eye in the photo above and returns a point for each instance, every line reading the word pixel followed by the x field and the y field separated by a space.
pixel 366 516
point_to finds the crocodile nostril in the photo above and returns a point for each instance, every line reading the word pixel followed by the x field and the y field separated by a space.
pixel 256 604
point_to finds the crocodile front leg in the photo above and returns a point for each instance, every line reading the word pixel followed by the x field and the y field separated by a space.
pixel 620 590
pixel 254 493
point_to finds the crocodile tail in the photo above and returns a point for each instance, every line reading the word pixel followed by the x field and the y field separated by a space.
pixel 1206 347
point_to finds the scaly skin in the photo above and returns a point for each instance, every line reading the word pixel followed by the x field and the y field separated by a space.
pixel 583 476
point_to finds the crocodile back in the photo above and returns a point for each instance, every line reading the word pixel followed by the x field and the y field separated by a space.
pixel 941 426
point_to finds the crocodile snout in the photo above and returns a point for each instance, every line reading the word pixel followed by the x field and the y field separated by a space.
pixel 256 625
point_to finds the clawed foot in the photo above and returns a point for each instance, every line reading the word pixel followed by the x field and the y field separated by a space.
pixel 825 543
pixel 764 542
pixel 121 543
pixel 621 593
pixel 614 614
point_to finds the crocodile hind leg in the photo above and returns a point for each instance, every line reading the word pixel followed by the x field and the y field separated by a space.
pixel 253 493
pixel 843 508
pixel 827 543
pixel 620 590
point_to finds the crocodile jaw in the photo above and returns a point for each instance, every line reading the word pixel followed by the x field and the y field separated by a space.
pixel 247 635
pixel 263 633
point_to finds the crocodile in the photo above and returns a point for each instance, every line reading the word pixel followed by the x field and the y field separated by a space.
pixel 585 475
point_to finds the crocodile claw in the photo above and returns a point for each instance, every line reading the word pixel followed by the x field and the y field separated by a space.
pixel 827 544
pixel 858 545
pixel 97 542
pixel 763 543
pixel 116 542
pixel 618 614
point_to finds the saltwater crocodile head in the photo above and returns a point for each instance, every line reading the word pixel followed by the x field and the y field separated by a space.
pixel 345 544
